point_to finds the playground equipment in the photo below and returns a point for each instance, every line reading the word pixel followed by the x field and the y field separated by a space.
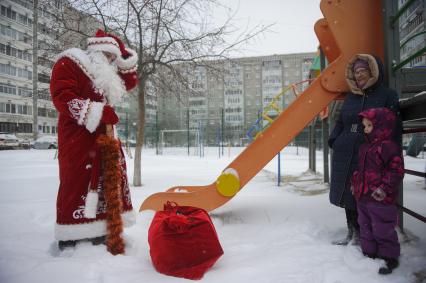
pixel 341 34
pixel 265 119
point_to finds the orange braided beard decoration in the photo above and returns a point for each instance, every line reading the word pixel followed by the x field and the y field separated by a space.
pixel 110 154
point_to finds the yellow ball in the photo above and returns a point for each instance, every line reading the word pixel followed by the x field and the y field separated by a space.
pixel 228 184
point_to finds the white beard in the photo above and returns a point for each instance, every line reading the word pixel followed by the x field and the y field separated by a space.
pixel 106 80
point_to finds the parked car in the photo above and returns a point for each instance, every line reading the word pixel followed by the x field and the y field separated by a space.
pixel 132 143
pixel 46 142
pixel 24 143
pixel 8 141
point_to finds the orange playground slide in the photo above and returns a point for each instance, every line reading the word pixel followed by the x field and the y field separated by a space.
pixel 348 27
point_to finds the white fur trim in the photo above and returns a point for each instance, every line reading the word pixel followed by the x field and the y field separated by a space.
pixel 125 65
pixel 94 115
pixel 115 133
pixel 89 230
pixel 107 44
pixel 104 76
pixel 91 204
pixel 106 48
pixel 79 57
pixel 102 40
pixel 350 77
pixel 132 70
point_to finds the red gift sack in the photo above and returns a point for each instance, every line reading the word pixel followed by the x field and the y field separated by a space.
pixel 183 241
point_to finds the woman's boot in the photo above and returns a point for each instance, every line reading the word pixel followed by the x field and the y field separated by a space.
pixel 345 241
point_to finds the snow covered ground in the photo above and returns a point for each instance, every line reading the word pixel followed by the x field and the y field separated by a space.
pixel 268 233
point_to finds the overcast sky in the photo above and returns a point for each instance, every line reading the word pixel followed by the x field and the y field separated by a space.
pixel 293 30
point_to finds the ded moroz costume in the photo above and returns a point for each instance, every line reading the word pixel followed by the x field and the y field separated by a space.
pixel 85 86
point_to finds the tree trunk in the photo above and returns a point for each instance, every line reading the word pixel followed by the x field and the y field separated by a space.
pixel 137 172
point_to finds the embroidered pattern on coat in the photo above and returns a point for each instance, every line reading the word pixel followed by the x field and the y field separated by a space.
pixel 78 213
pixel 78 109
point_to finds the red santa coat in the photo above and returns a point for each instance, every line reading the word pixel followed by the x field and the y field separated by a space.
pixel 82 83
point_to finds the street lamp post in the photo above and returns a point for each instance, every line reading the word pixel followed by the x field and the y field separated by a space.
pixel 35 72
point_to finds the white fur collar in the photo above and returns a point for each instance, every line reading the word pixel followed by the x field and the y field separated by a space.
pixel 104 76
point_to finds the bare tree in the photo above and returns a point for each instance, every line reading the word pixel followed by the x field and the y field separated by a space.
pixel 168 35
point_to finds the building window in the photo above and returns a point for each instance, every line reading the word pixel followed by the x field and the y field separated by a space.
pixel 42 112
pixel 44 94
pixel 8 12
pixel 14 34
pixel 25 92
pixel 43 78
pixel 9 127
pixel 51 113
pixel 7 70
pixel 7 89
pixel 15 71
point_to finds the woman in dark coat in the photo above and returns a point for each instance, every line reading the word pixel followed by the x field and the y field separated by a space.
pixel 364 75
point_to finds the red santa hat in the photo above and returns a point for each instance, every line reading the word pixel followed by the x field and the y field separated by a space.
pixel 102 41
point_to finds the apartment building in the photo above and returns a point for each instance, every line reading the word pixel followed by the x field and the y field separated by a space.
pixel 226 105
pixel 16 66
pixel 412 36
pixel 16 70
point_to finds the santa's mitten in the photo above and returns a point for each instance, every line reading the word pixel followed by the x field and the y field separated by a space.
pixel 91 204
pixel 109 116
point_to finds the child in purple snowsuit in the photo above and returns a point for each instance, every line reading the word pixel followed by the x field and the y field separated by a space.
pixel 375 187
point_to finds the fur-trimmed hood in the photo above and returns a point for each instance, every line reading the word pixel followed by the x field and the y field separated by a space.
pixel 383 121
pixel 376 69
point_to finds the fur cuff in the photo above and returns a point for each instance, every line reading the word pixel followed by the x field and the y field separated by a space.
pixel 129 64
pixel 91 205
pixel 94 115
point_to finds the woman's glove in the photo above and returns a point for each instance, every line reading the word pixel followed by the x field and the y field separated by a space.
pixel 108 116
pixel 379 194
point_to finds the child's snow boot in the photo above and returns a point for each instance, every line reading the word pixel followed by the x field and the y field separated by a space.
pixel 372 256
pixel 391 264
